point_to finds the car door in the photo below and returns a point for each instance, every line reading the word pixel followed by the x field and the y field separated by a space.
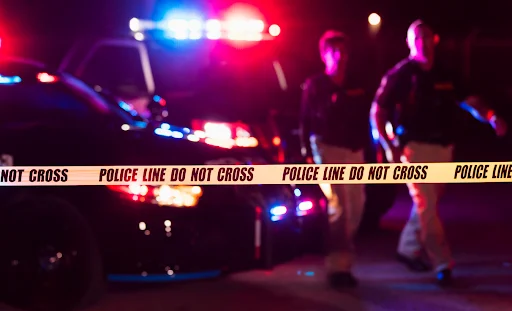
pixel 45 124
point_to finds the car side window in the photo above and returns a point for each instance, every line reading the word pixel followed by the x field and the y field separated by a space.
pixel 118 69
pixel 42 104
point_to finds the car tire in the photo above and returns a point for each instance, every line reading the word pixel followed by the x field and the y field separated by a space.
pixel 48 224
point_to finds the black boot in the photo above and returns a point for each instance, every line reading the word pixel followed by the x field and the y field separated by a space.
pixel 414 264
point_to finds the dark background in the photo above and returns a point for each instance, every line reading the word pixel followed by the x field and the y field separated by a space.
pixel 475 37
pixel 302 21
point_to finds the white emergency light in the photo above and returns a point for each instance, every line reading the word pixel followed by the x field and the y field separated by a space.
pixel 135 24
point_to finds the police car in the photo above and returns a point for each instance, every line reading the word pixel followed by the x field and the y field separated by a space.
pixel 220 75
pixel 200 71
pixel 61 244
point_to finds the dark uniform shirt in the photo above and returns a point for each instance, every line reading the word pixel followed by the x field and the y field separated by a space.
pixel 423 104
pixel 337 115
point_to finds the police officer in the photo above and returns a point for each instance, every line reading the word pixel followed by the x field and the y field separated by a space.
pixel 335 129
pixel 419 100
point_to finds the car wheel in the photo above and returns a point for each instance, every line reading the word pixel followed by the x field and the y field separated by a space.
pixel 49 259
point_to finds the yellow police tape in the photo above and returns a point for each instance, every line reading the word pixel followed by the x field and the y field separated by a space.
pixel 464 172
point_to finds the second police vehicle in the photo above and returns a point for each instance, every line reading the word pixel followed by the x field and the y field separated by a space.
pixel 60 244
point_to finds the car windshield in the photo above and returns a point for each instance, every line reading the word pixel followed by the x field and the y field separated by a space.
pixel 207 79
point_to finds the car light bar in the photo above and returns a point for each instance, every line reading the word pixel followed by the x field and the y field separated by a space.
pixel 225 135
pixel 42 77
pixel 237 29
pixel 215 134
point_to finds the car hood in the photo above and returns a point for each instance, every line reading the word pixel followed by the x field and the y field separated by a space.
pixel 147 148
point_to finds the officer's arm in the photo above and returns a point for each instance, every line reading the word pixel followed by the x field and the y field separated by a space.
pixel 305 117
pixel 480 111
pixel 382 106
pixel 477 106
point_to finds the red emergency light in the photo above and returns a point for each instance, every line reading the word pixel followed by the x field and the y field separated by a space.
pixel 44 77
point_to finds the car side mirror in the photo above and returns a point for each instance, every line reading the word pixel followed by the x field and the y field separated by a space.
pixel 158 109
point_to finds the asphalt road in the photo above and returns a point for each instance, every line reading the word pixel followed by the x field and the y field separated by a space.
pixel 479 225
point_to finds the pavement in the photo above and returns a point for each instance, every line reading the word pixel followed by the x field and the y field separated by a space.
pixel 478 220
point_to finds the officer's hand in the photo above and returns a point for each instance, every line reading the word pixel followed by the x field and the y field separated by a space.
pixel 499 125
pixel 304 152
pixel 393 154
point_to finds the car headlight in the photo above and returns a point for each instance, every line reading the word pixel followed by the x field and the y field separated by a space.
pixel 177 196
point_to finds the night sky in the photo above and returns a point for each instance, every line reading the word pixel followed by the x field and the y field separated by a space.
pixel 54 17
pixel 45 29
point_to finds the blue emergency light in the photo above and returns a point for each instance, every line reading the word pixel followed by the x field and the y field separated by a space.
pixel 9 80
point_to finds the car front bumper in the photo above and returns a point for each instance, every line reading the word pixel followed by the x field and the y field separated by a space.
pixel 141 241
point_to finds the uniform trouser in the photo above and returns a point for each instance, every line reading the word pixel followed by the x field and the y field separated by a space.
pixel 424 229
pixel 346 205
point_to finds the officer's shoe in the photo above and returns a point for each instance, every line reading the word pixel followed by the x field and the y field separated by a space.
pixel 444 277
pixel 340 280
pixel 414 264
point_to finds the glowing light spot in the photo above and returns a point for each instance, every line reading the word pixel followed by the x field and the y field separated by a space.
pixel 274 30
pixel 305 206
pixel 139 36
pixel 374 19
pixel 193 138
pixel 278 210
pixel 176 134
pixel 276 141
pixel 135 24
pixel 200 134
